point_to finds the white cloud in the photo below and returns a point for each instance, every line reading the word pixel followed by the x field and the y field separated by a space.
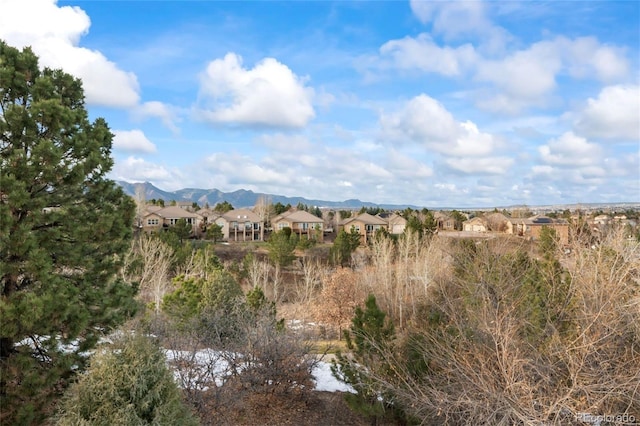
pixel 269 94
pixel 241 169
pixel 451 18
pixel 615 114
pixel 133 169
pixel 285 143
pixel 423 54
pixel 570 151
pixel 159 110
pixel 482 165
pixel 403 166
pixel 427 122
pixel 585 57
pixel 53 33
pixel 455 19
pixel 423 120
pixel 132 141
pixel 527 77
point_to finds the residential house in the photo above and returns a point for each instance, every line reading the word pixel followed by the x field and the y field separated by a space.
pixel 477 224
pixel 157 218
pixel 241 225
pixel 300 222
pixel 532 227
pixel 365 224
pixel 210 217
pixel 444 221
pixel 396 224
pixel 602 219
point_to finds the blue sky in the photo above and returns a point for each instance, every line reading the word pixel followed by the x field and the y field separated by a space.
pixel 460 104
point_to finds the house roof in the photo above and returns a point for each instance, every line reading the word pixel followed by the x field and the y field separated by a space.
pixel 367 219
pixel 540 220
pixel 397 219
pixel 173 212
pixel 476 219
pixel 441 215
pixel 206 212
pixel 241 215
pixel 298 216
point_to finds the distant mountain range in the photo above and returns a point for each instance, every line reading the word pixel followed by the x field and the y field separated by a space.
pixel 240 198
pixel 244 198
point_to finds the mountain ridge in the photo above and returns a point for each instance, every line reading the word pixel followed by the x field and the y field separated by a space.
pixel 247 198
pixel 241 197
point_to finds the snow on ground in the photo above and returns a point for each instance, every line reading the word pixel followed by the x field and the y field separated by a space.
pixel 212 366
pixel 325 381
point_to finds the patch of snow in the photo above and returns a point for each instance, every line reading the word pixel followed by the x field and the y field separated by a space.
pixel 325 380
pixel 199 369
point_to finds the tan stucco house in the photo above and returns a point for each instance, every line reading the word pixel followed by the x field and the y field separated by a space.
pixel 365 224
pixel 532 227
pixel 157 218
pixel 477 224
pixel 241 225
pixel 301 222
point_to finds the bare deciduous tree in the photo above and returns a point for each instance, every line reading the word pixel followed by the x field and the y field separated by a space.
pixel 149 263
pixel 338 299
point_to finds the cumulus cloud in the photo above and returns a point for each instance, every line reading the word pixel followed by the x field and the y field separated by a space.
pixel 527 77
pixel 586 57
pixel 160 110
pixel 54 33
pixel 405 167
pixel 459 18
pixel 614 114
pixel 269 94
pixel 134 169
pixel 423 54
pixel 571 151
pixel 132 141
pixel 528 74
pixel 425 121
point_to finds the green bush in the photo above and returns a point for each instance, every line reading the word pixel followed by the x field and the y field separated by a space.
pixel 127 383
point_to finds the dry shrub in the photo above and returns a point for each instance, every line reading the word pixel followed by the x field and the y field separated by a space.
pixel 337 300
pixel 507 339
pixel 238 353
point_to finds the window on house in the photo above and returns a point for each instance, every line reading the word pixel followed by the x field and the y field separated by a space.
pixel 283 225
pixel 152 222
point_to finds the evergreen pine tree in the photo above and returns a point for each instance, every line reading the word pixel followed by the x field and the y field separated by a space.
pixel 128 383
pixel 64 229
pixel 368 339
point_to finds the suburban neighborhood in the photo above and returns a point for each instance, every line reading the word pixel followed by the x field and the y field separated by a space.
pixel 256 224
